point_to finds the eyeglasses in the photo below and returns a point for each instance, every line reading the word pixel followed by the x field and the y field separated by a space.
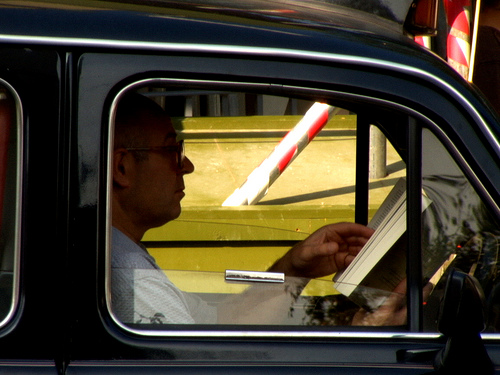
pixel 178 149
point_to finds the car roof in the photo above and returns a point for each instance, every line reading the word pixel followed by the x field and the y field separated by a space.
pixel 309 29
pixel 263 22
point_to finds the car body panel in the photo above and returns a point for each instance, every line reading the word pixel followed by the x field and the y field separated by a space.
pixel 68 61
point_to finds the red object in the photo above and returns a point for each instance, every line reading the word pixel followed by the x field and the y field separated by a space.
pixel 459 36
pixel 5 124
pixel 285 160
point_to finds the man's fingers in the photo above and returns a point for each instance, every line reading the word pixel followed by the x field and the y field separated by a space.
pixel 401 287
pixel 347 230
pixel 428 288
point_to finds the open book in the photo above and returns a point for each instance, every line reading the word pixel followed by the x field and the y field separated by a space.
pixel 381 265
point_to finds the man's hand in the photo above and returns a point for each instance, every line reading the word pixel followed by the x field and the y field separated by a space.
pixel 393 311
pixel 328 250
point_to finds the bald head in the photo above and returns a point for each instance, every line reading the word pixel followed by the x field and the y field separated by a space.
pixel 148 184
pixel 134 114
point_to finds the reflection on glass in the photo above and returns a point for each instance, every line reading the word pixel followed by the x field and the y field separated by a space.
pixel 457 223
pixel 138 301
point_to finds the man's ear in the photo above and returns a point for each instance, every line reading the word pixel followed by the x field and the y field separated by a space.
pixel 122 167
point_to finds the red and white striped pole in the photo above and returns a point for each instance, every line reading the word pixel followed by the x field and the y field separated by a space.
pixel 258 182
pixel 458 13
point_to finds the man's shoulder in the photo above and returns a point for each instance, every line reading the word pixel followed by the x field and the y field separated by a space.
pixel 127 254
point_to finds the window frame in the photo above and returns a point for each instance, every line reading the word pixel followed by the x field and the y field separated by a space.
pixel 17 128
pixel 418 121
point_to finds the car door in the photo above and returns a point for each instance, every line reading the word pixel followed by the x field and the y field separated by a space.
pixel 432 136
pixel 32 237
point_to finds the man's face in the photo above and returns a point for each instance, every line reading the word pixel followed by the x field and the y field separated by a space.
pixel 157 181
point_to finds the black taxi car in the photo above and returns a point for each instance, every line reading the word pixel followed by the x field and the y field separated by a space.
pixel 237 78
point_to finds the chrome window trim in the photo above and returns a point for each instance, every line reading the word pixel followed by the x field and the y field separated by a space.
pixel 291 333
pixel 16 266
pixel 255 51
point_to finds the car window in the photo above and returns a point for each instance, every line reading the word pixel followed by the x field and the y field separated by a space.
pixel 264 172
pixel 229 137
pixel 10 158
pixel 458 227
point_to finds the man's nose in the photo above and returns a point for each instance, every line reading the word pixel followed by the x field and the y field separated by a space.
pixel 187 166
